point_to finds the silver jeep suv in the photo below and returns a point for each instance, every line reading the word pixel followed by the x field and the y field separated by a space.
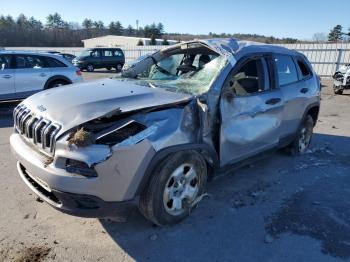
pixel 25 73
pixel 154 136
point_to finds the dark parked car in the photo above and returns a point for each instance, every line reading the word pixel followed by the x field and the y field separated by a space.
pixel 108 58
pixel 68 57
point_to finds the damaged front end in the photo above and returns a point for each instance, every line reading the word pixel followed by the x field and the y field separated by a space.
pixel 122 146
pixel 341 79
pixel 113 132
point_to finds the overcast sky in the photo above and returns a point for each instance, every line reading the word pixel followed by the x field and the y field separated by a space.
pixel 287 18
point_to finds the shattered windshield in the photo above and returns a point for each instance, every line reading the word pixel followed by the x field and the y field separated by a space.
pixel 184 73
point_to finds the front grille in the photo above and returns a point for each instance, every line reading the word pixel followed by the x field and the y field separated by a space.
pixel 36 129
pixel 338 76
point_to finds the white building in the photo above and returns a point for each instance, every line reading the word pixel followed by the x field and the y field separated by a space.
pixel 117 40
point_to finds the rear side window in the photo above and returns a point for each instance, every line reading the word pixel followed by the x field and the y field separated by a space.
pixel 5 62
pixel 52 62
pixel 107 53
pixel 29 61
pixel 304 69
pixel 286 70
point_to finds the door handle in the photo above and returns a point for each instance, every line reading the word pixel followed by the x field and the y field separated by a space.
pixel 43 74
pixel 304 90
pixel 7 76
pixel 273 101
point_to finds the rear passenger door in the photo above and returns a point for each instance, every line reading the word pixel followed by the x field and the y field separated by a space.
pixel 251 109
pixel 31 73
pixel 294 93
pixel 7 77
pixel 56 67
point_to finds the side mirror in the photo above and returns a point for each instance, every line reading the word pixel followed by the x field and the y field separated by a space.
pixel 229 95
pixel 228 92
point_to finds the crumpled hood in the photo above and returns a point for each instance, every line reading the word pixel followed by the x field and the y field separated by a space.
pixel 75 104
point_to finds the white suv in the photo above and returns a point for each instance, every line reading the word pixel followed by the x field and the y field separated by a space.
pixel 25 73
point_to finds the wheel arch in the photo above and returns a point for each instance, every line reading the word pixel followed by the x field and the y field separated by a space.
pixel 312 110
pixel 56 78
pixel 209 155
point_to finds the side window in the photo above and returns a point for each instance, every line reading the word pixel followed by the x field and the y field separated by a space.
pixel 5 62
pixel 304 69
pixel 118 53
pixel 95 53
pixel 252 77
pixel 107 53
pixel 286 70
pixel 52 62
pixel 28 61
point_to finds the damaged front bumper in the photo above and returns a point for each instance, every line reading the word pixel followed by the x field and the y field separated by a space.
pixel 341 80
pixel 113 190
pixel 75 204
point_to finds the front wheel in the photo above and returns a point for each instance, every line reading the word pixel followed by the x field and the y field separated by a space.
pixel 90 68
pixel 119 67
pixel 302 142
pixel 176 184
pixel 337 90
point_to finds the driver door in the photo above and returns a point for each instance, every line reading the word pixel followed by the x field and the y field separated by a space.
pixel 251 110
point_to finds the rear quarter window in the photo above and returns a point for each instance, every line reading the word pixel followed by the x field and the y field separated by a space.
pixel 304 69
pixel 52 62
pixel 118 53
pixel 286 70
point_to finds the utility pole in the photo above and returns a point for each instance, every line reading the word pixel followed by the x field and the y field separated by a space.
pixel 137 24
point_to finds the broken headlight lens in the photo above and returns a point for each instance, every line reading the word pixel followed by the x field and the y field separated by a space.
pixel 119 134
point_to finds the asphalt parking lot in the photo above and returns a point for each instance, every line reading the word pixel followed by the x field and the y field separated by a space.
pixel 281 208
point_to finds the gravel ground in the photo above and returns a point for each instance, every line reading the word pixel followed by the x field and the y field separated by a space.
pixel 279 209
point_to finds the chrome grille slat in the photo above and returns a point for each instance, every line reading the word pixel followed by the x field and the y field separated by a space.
pixel 36 129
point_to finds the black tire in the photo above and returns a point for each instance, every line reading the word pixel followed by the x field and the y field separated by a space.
pixel 119 67
pixel 153 203
pixel 57 83
pixel 337 91
pixel 90 68
pixel 109 68
pixel 295 148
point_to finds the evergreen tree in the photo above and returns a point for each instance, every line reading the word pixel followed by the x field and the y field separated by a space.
pixel 336 34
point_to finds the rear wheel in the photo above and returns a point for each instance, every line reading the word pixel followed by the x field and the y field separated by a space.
pixel 90 68
pixel 57 83
pixel 176 184
pixel 303 139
